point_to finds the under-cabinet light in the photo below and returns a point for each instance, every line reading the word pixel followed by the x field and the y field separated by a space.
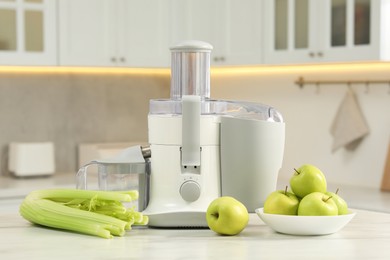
pixel 270 69
pixel 256 69
pixel 84 70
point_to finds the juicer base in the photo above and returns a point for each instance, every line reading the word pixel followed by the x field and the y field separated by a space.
pixel 182 219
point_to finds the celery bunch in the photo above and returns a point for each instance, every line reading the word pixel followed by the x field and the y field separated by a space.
pixel 99 213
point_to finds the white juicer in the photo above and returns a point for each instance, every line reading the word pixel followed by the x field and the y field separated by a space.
pixel 202 149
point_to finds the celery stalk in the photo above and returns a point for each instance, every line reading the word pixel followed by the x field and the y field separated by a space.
pixel 99 213
pixel 125 196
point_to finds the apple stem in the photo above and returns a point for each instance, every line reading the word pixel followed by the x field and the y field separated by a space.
pixel 285 190
pixel 297 171
pixel 337 191
pixel 328 198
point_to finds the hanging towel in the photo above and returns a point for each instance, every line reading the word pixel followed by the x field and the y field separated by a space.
pixel 349 125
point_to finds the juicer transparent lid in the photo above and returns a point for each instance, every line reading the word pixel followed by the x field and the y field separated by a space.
pixel 238 109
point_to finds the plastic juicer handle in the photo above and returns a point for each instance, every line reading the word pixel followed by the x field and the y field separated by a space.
pixel 190 151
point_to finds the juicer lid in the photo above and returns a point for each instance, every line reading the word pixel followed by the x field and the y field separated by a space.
pixel 230 108
pixel 192 46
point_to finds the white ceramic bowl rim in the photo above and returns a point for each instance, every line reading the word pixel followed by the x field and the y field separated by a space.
pixel 305 225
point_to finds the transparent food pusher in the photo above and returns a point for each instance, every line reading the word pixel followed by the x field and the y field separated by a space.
pixel 202 149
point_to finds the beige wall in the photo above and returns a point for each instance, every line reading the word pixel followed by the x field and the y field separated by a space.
pixel 73 108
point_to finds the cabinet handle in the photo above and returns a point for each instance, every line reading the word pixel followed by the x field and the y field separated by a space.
pixel 220 58
pixel 113 59
pixel 311 54
pixel 320 54
pixel 123 59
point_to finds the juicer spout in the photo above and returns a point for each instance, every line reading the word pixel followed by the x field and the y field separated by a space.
pixel 146 152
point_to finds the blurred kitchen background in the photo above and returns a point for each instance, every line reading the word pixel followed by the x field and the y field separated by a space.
pixel 81 72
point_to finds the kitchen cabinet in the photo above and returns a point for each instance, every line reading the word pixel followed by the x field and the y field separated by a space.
pixel 27 32
pixel 303 31
pixel 233 27
pixel 123 33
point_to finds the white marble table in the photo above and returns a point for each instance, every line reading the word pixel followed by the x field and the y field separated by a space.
pixel 367 236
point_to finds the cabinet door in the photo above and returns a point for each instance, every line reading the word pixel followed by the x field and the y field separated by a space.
pixel 291 31
pixel 87 32
pixel 197 20
pixel 299 31
pixel 27 32
pixel 233 27
pixel 145 33
pixel 351 30
pixel 240 25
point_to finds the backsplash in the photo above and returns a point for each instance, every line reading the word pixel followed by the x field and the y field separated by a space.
pixel 73 108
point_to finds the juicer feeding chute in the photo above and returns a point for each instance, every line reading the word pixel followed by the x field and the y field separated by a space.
pixel 190 70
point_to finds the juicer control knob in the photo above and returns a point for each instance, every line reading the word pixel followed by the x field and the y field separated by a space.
pixel 190 191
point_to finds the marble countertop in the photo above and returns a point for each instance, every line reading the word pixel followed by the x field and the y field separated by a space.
pixel 367 236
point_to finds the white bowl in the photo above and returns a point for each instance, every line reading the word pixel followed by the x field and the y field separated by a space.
pixel 305 225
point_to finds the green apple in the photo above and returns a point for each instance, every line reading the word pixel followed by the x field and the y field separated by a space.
pixel 340 202
pixel 307 179
pixel 227 216
pixel 317 204
pixel 281 202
